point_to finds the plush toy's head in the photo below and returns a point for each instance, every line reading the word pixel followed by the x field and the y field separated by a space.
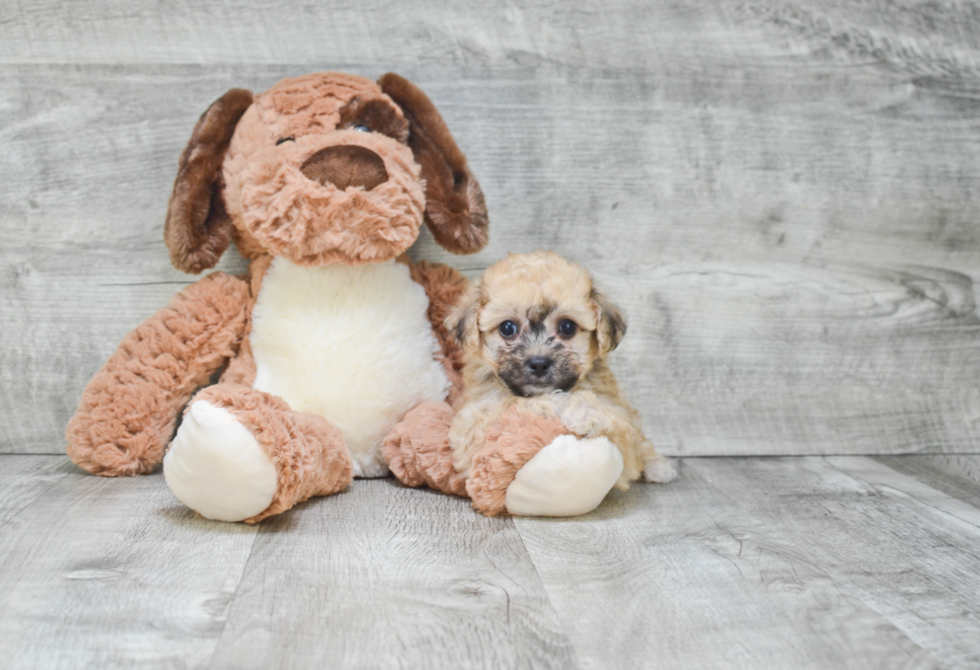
pixel 325 168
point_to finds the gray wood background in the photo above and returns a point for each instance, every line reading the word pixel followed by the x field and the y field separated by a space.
pixel 781 195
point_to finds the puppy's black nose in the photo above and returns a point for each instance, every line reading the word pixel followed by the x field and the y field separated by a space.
pixel 538 365
pixel 346 165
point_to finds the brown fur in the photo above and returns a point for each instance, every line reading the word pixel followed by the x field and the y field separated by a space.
pixel 198 228
pixel 497 431
pixel 418 451
pixel 445 286
pixel 511 442
pixel 308 452
pixel 241 369
pixel 128 410
pixel 272 207
pixel 377 115
pixel 310 223
pixel 456 212
pixel 238 181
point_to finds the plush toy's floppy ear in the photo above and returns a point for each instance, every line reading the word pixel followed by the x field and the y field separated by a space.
pixel 454 206
pixel 198 228
pixel 612 324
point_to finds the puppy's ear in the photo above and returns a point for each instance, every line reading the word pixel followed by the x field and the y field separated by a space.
pixel 462 321
pixel 454 205
pixel 612 325
pixel 198 228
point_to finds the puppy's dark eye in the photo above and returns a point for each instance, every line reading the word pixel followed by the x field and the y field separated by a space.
pixel 508 329
pixel 567 328
pixel 361 128
pixel 285 139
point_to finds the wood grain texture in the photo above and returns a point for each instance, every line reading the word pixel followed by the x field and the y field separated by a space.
pixel 383 576
pixel 932 38
pixel 688 575
pixel 24 478
pixel 956 475
pixel 115 573
pixel 741 562
pixel 904 549
pixel 782 196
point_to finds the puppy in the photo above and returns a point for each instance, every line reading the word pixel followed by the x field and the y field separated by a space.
pixel 535 333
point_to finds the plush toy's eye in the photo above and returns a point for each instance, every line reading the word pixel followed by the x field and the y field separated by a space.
pixel 508 329
pixel 285 139
pixel 361 128
pixel 567 328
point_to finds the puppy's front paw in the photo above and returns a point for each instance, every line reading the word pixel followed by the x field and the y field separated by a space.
pixel 659 471
pixel 581 416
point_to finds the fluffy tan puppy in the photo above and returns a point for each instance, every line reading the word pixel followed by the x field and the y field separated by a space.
pixel 535 336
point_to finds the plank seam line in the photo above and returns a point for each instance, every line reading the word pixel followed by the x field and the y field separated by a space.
pixel 901 493
pixel 234 598
pixel 547 594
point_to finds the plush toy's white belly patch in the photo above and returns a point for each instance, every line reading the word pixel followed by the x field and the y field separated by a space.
pixel 351 344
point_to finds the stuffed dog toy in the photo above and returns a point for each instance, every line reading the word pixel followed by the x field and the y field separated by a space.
pixel 542 427
pixel 322 182
pixel 332 356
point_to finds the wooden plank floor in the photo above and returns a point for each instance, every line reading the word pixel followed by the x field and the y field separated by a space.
pixel 796 562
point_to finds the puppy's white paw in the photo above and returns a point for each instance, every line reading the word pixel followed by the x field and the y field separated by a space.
pixel 568 477
pixel 659 471
pixel 216 467
pixel 580 417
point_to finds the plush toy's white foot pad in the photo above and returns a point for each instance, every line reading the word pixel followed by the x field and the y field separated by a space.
pixel 216 467
pixel 659 471
pixel 570 476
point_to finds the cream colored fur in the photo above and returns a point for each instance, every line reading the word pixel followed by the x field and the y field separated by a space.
pixel 594 407
pixel 351 344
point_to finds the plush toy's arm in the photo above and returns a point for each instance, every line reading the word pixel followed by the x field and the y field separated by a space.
pixel 417 449
pixel 129 409
pixel 444 286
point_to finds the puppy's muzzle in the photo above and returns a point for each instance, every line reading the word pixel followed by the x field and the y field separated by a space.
pixel 345 165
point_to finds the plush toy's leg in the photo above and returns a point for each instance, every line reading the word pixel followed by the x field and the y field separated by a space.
pixel 417 449
pixel 244 455
pixel 531 466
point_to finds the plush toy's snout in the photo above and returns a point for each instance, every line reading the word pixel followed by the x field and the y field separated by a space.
pixel 345 166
